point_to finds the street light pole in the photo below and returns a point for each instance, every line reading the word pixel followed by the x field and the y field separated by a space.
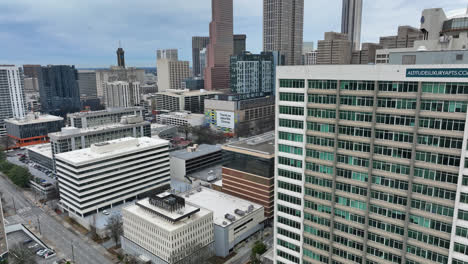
pixel 14 206
pixel 73 253
pixel 39 225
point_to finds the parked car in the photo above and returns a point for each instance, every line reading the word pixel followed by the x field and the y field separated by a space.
pixel 49 254
pixel 33 246
pixel 41 252
pixel 105 212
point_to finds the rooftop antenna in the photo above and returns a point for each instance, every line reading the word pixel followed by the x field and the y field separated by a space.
pixel 120 45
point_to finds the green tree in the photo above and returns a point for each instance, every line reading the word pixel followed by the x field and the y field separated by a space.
pixel 205 135
pixel 5 166
pixel 19 176
pixel 115 227
pixel 258 249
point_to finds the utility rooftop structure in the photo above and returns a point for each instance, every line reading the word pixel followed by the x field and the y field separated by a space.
pixel 190 160
pixel 33 129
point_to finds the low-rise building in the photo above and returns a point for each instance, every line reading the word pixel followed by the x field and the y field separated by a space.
pixel 33 129
pixel 248 171
pixel 103 117
pixel 72 138
pixel 240 116
pixel 181 119
pixel 183 100
pixel 190 160
pixel 42 155
pixel 235 219
pixel 111 173
pixel 163 131
pixel 165 229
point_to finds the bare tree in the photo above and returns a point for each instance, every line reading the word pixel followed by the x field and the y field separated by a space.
pixel 93 229
pixel 115 227
pixel 7 142
pixel 20 254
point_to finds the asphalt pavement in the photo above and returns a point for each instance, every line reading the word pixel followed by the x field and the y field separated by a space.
pixel 66 243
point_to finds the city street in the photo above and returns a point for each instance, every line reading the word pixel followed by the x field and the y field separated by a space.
pixel 66 243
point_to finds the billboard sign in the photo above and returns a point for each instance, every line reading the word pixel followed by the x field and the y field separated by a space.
pixel 225 119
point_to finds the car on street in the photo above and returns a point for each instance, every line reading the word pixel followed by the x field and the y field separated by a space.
pixel 105 212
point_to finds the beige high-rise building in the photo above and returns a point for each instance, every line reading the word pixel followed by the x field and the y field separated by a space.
pixel 169 54
pixel 335 49
pixel 283 22
pixel 171 74
pixel 405 38
pixel 116 73
pixel 122 94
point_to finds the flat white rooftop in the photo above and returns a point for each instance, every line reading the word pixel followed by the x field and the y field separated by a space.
pixel 73 131
pixel 105 112
pixel 220 203
pixel 30 119
pixel 117 147
pixel 163 223
pixel 43 149
pixel 203 149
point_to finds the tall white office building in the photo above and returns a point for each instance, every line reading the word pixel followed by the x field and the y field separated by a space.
pixel 351 21
pixel 110 173
pixel 12 98
pixel 371 164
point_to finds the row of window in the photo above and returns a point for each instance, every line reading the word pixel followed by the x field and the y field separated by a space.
pixel 318 194
pixel 351 188
pixel 289 222
pixel 319 181
pixel 350 216
pixel 290 162
pixel 389 242
pixel 396 120
pixel 319 168
pixel 356 116
pixel 322 99
pixel 349 229
pixel 392 152
pixel 290 149
pixel 388 182
pixel 316 232
pixel 392 213
pixel 290 174
pixel 429 239
pixel 289 210
pixel 291 110
pixel 445 88
pixel 316 244
pixel 434 191
pixel 292 83
pixel 317 219
pixel 287 256
pixel 438 158
pixel 291 123
pixel 289 198
pixel 394 136
pixel 289 186
pixel 317 207
pixel 291 97
pixel 389 198
pixel 384 255
pixel 348 242
pixel 432 207
pixel 387 226
pixel 397 103
pixel 357 100
pixel 442 124
pixel 290 136
pixel 354 146
pixel 347 255
pixel 321 141
pixel 315 256
pixel 350 160
pixel 391 167
pixel 430 223
pixel 351 203
pixel 321 127
pixel 427 254
pixel 436 175
pixel 440 141
pixel 288 245
pixel 353 175
pixel 355 131
pixel 321 113
pixel 443 106
pixel 320 155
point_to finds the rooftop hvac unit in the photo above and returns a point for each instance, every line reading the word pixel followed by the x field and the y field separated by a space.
pixel 230 217
pixel 251 208
pixel 239 212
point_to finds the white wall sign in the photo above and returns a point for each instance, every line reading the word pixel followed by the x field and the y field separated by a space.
pixel 225 119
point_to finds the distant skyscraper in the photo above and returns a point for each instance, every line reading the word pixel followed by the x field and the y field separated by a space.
pixel 220 47
pixel 59 91
pixel 351 21
pixel 87 84
pixel 283 22
pixel 198 44
pixel 168 54
pixel 12 99
pixel 239 44
pixel 334 49
pixel 122 94
pixel 120 57
pixel 202 63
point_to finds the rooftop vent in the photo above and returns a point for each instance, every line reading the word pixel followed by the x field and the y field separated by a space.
pixel 230 217
pixel 239 212
pixel 251 208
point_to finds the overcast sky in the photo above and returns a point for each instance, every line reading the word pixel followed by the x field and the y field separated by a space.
pixel 86 32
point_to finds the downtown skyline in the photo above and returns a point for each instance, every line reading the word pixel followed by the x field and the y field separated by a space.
pixel 32 35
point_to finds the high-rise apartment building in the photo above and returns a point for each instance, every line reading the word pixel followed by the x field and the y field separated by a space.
pixel 334 49
pixel 202 63
pixel 371 164
pixel 310 58
pixel 87 84
pixel 59 91
pixel 198 44
pixel 239 44
pixel 220 47
pixel 122 94
pixel 180 101
pixel 12 97
pixel 351 21
pixel 252 74
pixel 283 22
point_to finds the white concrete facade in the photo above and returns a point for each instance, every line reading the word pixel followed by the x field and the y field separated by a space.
pixel 111 172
